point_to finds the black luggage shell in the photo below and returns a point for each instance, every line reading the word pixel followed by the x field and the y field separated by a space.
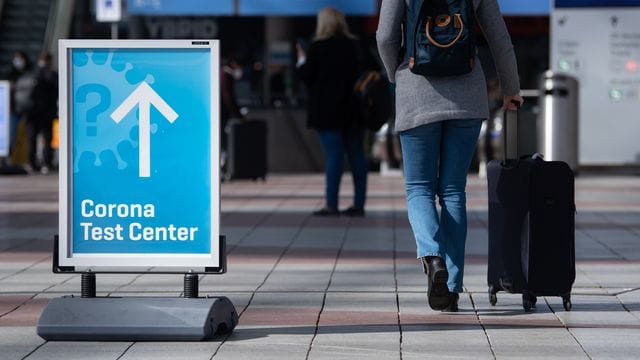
pixel 247 150
pixel 531 229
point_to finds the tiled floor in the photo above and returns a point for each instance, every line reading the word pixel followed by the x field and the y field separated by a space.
pixel 314 288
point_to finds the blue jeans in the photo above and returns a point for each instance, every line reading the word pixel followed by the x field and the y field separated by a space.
pixel 436 158
pixel 335 143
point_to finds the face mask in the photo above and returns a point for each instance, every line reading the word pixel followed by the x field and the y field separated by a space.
pixel 18 63
pixel 237 74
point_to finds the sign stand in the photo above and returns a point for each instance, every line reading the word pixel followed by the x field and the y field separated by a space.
pixel 139 121
pixel 93 318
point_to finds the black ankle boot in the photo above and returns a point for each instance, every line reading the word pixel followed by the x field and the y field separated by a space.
pixel 453 303
pixel 437 275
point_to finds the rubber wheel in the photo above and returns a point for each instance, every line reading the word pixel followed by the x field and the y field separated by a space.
pixel 566 302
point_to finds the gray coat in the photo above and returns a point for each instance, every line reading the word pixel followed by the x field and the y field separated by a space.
pixel 422 100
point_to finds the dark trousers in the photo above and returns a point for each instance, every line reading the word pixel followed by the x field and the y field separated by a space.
pixel 44 127
pixel 335 144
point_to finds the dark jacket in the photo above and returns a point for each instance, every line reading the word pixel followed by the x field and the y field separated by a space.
pixel 330 73
pixel 229 106
pixel 45 96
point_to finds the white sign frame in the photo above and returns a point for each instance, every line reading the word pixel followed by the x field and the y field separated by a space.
pixel 119 262
pixel 6 115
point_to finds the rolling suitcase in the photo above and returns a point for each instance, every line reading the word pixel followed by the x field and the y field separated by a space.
pixel 246 150
pixel 531 224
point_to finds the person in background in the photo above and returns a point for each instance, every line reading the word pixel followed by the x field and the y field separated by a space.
pixel 330 69
pixel 231 72
pixel 20 65
pixel 44 110
pixel 439 118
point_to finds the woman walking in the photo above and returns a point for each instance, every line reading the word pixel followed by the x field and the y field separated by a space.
pixel 438 117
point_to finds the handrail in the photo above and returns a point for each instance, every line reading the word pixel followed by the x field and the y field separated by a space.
pixel 58 25
pixel 1 8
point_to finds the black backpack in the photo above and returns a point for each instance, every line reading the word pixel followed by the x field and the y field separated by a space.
pixel 374 99
pixel 440 37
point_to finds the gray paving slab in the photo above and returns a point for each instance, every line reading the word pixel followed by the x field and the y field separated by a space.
pixel 269 236
pixel 171 350
pixel 16 342
pixel 234 234
pixel 32 233
pixel 369 239
pixel 238 278
pixel 275 325
pixel 358 326
pixel 79 350
pixel 363 277
pixel 373 342
pixel 321 237
pixel 616 275
pixel 599 311
pixel 435 335
pixel 154 283
pixel 608 343
pixel 299 278
pixel 261 343
pixel 516 334
pixel 104 283
pixel 36 279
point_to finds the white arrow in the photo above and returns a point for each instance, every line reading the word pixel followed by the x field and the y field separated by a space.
pixel 144 96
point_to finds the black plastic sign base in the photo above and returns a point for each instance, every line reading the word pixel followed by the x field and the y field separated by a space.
pixel 136 319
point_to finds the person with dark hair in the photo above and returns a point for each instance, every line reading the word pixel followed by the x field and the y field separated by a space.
pixel 43 111
pixel 330 69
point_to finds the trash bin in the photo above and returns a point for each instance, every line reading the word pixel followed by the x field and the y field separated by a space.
pixel 558 118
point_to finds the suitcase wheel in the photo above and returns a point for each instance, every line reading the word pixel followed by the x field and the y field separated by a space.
pixel 566 302
pixel 528 302
pixel 493 298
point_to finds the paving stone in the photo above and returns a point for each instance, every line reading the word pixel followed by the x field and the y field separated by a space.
pixel 79 350
pixel 16 342
pixel 172 350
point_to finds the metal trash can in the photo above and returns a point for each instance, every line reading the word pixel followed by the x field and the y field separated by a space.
pixel 558 118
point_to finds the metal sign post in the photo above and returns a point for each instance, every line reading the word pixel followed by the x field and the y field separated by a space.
pixel 109 11
pixel 139 187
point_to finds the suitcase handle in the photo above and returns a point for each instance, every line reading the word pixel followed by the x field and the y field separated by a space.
pixel 510 133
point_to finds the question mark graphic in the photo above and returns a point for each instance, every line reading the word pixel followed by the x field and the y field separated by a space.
pixel 100 107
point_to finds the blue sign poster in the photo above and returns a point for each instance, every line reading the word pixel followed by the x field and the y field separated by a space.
pixel 180 7
pixel 595 3
pixel 524 8
pixel 4 119
pixel 306 8
pixel 142 130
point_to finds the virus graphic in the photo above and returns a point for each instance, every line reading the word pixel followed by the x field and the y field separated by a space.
pixel 101 81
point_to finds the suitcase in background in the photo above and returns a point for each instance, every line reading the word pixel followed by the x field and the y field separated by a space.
pixel 531 225
pixel 246 150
